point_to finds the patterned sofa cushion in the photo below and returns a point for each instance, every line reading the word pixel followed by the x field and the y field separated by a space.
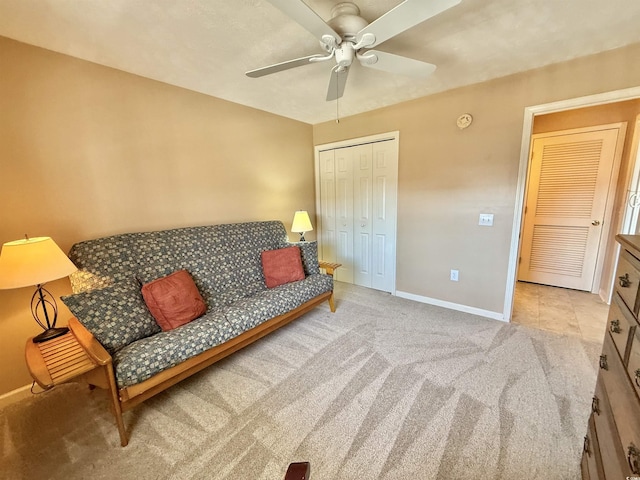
pixel 309 252
pixel 115 315
pixel 146 357
pixel 224 260
pixel 252 311
pixel 102 262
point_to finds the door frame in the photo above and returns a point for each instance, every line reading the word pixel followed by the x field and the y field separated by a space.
pixel 630 221
pixel 353 142
pixel 527 130
pixel 611 189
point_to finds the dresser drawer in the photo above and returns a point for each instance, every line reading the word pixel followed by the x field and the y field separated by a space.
pixel 621 326
pixel 633 366
pixel 591 465
pixel 623 401
pixel 614 462
pixel 584 467
pixel 627 279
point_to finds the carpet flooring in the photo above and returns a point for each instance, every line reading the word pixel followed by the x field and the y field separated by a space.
pixel 385 388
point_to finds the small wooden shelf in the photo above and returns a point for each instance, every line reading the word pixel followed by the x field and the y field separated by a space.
pixel 57 361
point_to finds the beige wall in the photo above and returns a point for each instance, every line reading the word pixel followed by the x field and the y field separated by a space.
pixel 447 177
pixel 87 151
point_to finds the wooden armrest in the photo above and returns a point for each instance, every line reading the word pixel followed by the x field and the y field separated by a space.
pixel 329 266
pixel 92 346
pixel 298 471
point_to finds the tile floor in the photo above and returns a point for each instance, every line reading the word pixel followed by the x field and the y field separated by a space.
pixel 560 310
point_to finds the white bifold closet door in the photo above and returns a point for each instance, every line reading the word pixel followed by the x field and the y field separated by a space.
pixel 358 201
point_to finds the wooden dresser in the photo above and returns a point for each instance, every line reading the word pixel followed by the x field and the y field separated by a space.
pixel 612 444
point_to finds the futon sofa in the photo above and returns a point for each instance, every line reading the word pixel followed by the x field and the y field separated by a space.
pixel 238 283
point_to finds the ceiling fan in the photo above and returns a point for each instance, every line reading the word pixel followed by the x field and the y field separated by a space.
pixel 348 36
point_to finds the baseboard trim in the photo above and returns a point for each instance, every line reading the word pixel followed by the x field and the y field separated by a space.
pixel 452 306
pixel 15 396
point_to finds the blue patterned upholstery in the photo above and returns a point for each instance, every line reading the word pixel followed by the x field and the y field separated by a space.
pixel 142 359
pixel 252 311
pixel 309 252
pixel 116 315
pixel 224 261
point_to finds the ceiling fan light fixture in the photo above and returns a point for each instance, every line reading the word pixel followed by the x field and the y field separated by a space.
pixel 346 20
pixel 344 8
pixel 345 54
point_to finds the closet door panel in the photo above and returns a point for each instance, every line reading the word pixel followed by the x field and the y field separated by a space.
pixel 384 206
pixel 363 208
pixel 344 213
pixel 327 206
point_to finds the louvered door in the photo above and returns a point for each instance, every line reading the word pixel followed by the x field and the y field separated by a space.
pixel 566 199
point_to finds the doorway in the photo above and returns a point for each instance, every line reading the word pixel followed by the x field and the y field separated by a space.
pixel 560 310
pixel 571 105
pixel 569 201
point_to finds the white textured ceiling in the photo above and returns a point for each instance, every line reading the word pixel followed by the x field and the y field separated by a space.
pixel 207 45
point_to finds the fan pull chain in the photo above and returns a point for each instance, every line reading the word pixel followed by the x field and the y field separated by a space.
pixel 337 99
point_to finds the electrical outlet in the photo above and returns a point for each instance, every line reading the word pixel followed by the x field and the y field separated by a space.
pixel 454 275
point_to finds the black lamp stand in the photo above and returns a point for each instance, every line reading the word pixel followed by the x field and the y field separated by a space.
pixel 40 300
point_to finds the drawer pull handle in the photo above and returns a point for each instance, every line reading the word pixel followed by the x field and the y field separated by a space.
pixel 585 446
pixel 595 405
pixel 615 326
pixel 624 281
pixel 637 372
pixel 633 457
pixel 603 362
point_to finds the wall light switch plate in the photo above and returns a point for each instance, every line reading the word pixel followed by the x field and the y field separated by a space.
pixel 486 219
pixel 454 275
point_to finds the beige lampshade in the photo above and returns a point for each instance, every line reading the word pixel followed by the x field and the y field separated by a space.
pixel 301 222
pixel 31 262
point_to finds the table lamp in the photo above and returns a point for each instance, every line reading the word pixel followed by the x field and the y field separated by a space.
pixel 33 262
pixel 301 223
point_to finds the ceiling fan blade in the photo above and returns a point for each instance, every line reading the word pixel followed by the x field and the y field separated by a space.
pixel 301 13
pixel 406 15
pixel 278 67
pixel 337 83
pixel 396 64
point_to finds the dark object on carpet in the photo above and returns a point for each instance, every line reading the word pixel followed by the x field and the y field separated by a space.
pixel 298 471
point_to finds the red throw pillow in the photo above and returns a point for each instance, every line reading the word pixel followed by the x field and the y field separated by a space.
pixel 174 300
pixel 282 266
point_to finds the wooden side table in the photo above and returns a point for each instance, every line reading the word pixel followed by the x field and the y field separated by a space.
pixel 67 359
pixel 330 268
pixel 58 361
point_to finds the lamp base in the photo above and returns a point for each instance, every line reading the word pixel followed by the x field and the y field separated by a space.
pixel 50 334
